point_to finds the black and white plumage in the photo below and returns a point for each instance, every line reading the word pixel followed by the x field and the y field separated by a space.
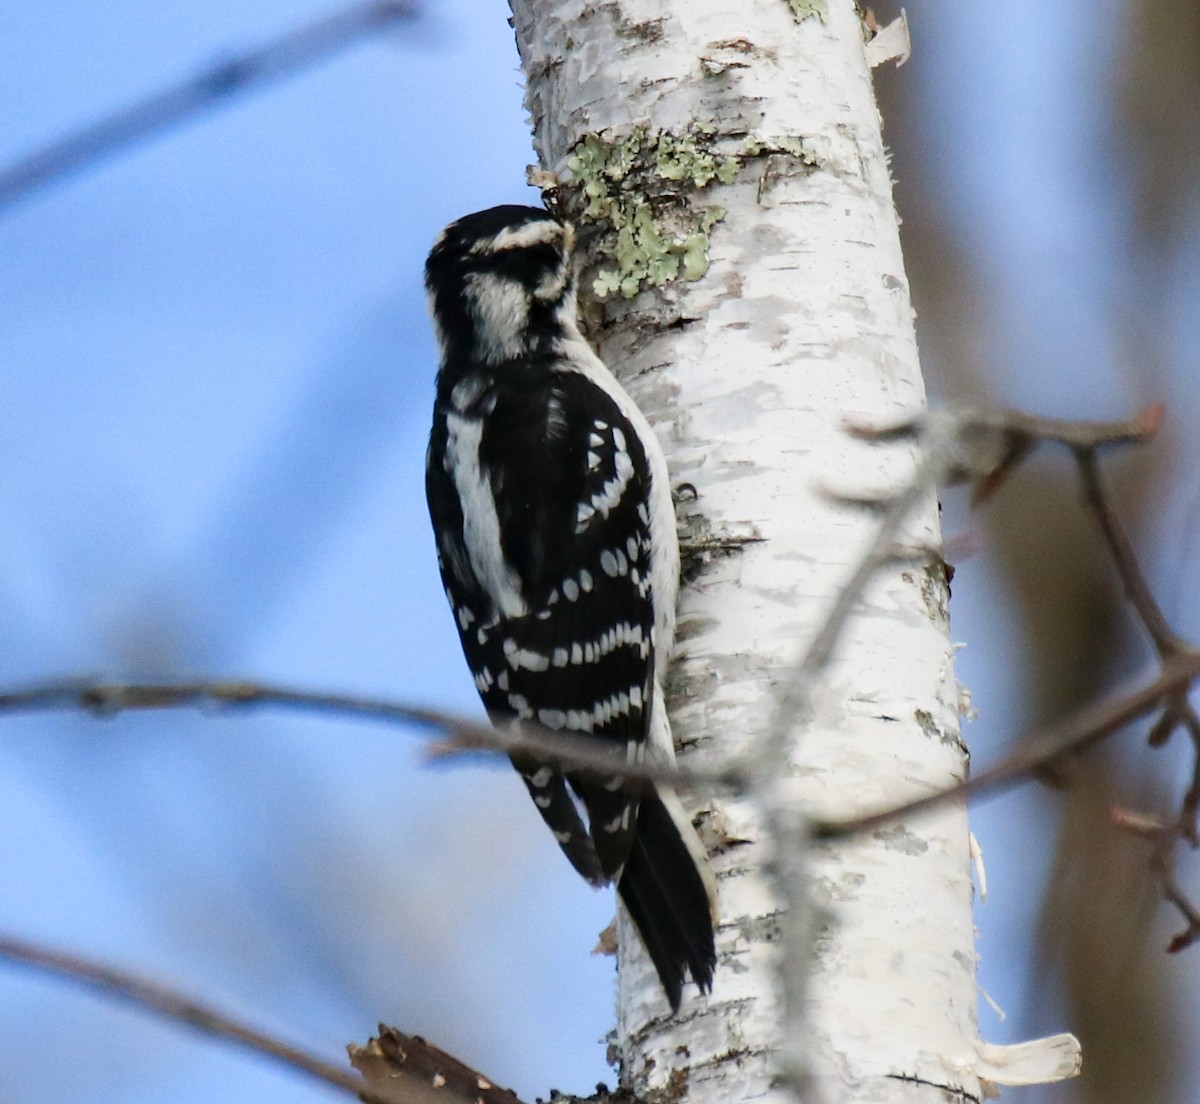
pixel 556 540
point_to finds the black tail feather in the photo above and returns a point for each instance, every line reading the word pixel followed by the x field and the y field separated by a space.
pixel 665 896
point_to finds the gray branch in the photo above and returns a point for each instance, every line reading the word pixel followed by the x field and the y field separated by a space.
pixel 200 92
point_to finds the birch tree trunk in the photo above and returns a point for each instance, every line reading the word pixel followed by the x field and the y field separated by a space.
pixel 723 159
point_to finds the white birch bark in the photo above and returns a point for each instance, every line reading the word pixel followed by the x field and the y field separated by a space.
pixel 802 319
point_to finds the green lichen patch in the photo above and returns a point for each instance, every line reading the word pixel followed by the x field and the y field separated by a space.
pixel 636 184
pixel 643 184
pixel 797 147
pixel 686 158
pixel 695 248
pixel 808 9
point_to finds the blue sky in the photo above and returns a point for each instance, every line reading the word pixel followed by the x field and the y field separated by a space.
pixel 217 372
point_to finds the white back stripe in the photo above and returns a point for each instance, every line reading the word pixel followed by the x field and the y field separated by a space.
pixel 481 523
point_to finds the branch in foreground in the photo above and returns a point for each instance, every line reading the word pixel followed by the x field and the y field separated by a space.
pixel 1163 839
pixel 280 58
pixel 950 445
pixel 953 445
pixel 989 445
pixel 203 1018
pixel 460 735
pixel 1073 735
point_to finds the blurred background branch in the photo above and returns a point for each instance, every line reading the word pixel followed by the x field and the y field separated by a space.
pixel 173 1005
pixel 211 86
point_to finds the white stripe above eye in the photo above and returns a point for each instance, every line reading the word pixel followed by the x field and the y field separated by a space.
pixel 537 232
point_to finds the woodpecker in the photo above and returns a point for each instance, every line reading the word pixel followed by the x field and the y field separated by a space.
pixel 555 529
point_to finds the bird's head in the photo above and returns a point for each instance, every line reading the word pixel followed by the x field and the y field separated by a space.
pixel 500 281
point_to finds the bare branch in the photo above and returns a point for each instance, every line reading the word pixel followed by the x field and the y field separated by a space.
pixel 1001 443
pixel 1137 590
pixel 1164 865
pixel 982 445
pixel 575 750
pixel 107 699
pixel 1077 434
pixel 204 90
pixel 1016 423
pixel 175 1006
pixel 1164 837
pixel 991 444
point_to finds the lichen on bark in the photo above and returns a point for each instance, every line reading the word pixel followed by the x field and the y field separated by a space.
pixel 807 9
pixel 637 186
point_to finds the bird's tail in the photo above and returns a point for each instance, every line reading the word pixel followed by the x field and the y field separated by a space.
pixel 669 892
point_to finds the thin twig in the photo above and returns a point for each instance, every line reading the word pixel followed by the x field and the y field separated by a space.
pixel 990 445
pixel 295 50
pixel 999 443
pixel 1016 423
pixel 108 699
pixel 1176 709
pixel 1077 434
pixel 1173 894
pixel 574 750
pixel 1133 581
pixel 1165 838
pixel 175 1006
pixel 1189 808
